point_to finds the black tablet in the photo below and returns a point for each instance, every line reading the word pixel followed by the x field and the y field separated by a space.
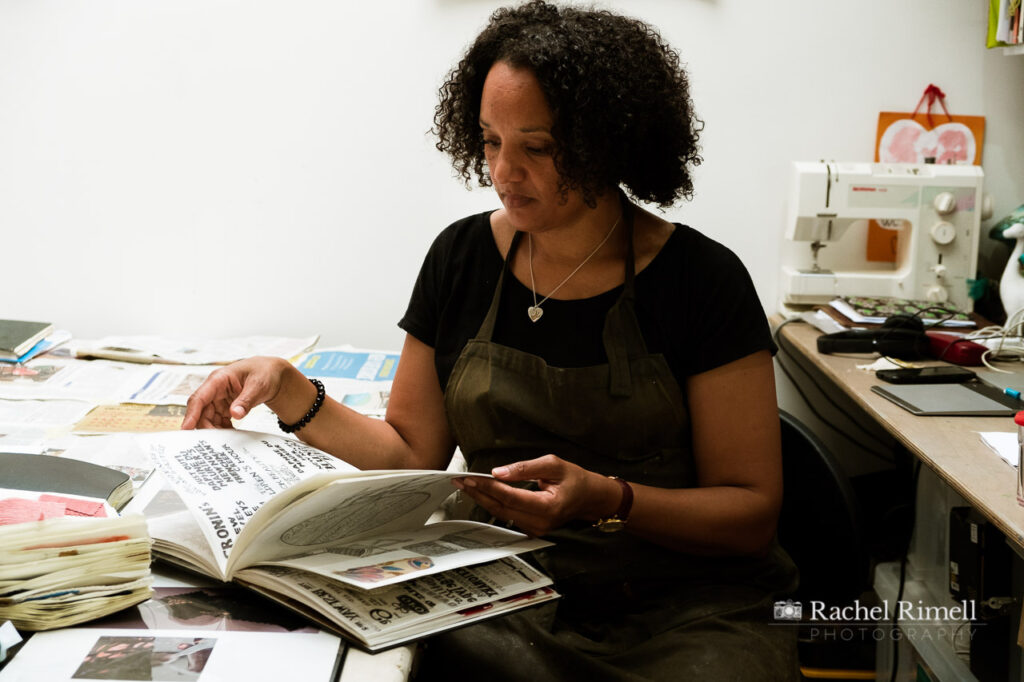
pixel 968 399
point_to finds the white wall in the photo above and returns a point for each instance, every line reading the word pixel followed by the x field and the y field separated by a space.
pixel 229 167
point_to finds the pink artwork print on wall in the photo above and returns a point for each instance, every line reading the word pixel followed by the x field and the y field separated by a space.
pixel 907 141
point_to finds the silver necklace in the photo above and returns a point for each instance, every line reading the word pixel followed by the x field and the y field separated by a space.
pixel 535 311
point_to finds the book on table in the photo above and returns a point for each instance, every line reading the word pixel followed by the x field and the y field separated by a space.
pixel 49 474
pixel 17 337
pixel 352 550
pixel 47 344
pixel 877 309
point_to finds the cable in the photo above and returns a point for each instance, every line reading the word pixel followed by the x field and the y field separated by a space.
pixel 814 410
pixel 949 345
pixel 811 406
pixel 956 636
pixel 949 314
pixel 1013 328
pixel 984 361
pixel 1015 322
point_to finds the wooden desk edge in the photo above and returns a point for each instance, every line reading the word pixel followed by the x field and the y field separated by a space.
pixel 950 446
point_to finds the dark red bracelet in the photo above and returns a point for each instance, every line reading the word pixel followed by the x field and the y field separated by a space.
pixel 320 393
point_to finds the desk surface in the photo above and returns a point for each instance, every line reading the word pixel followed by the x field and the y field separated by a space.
pixel 76 393
pixel 951 446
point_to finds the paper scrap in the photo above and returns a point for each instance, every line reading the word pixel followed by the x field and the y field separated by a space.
pixel 1004 444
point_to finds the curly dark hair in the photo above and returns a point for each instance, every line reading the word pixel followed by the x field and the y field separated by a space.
pixel 619 97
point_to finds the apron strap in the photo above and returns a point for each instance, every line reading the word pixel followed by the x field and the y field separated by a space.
pixel 486 331
pixel 622 337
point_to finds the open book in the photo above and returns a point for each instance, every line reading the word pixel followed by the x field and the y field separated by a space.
pixel 351 549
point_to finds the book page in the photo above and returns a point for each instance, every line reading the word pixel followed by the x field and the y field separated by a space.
pixel 54 378
pixel 382 559
pixel 168 385
pixel 224 475
pixel 189 548
pixel 343 510
pixel 47 415
pixel 388 615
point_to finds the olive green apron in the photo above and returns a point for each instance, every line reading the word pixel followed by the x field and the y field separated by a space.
pixel 630 609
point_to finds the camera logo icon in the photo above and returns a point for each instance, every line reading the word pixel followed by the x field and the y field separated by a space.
pixel 788 610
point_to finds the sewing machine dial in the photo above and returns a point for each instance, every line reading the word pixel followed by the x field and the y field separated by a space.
pixel 943 233
pixel 936 294
pixel 944 203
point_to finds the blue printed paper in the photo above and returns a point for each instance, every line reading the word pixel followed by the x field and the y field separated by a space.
pixel 360 365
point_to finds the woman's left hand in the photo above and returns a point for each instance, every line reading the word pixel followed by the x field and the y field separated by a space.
pixel 564 492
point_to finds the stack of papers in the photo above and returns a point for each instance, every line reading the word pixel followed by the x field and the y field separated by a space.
pixel 61 570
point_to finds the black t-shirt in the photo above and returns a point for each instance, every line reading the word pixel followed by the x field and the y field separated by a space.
pixel 695 303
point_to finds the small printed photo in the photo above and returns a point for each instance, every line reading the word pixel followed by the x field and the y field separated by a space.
pixel 38 374
pixel 146 658
pixel 388 569
pixel 176 411
pixel 214 608
pixel 220 609
pixel 188 385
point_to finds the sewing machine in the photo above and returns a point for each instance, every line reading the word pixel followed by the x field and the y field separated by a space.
pixel 933 211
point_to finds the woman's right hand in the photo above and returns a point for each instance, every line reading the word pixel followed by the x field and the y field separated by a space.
pixel 232 391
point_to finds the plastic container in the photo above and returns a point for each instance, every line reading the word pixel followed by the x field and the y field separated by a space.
pixel 1019 419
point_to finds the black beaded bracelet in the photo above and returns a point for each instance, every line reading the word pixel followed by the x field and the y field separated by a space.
pixel 292 428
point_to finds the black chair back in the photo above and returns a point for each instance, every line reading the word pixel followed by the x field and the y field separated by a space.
pixel 820 524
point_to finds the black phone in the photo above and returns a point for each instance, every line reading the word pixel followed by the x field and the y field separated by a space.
pixel 943 374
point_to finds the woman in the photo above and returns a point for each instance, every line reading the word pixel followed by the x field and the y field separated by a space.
pixel 590 355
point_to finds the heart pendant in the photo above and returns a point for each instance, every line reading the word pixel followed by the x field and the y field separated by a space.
pixel 534 312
